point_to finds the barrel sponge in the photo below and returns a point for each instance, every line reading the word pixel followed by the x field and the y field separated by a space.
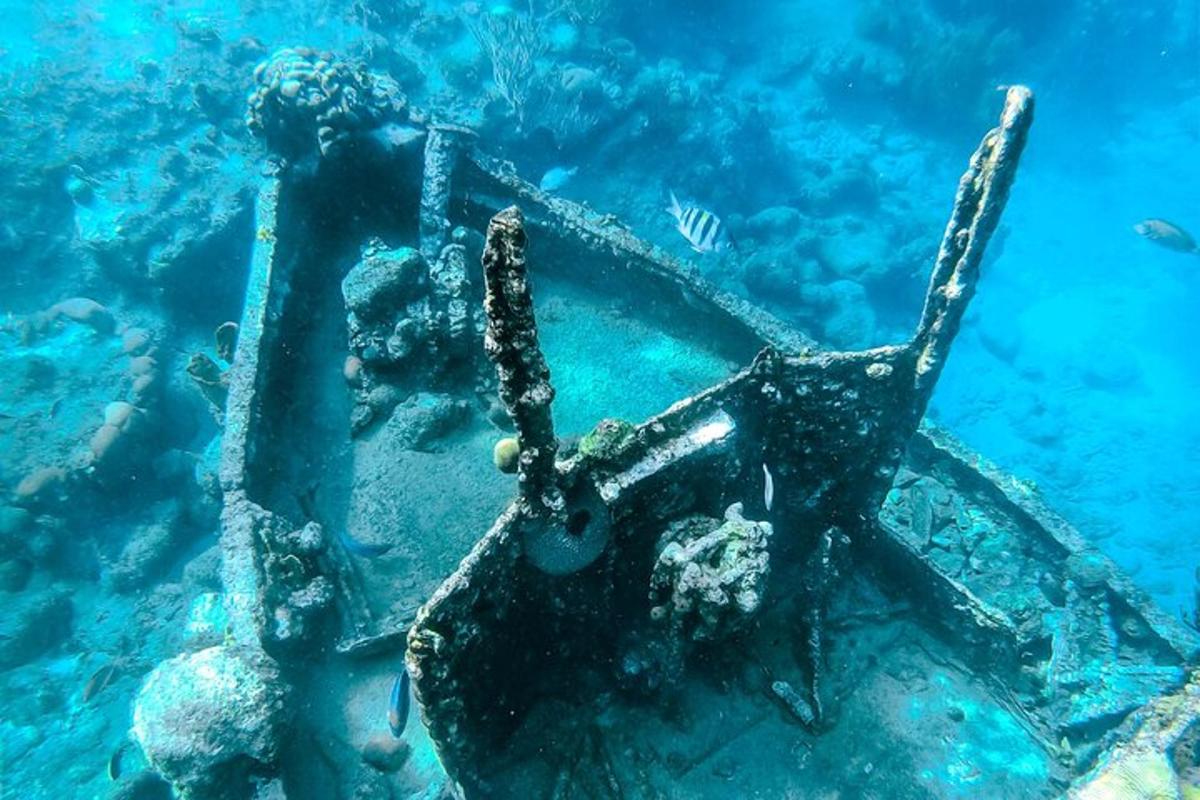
pixel 305 100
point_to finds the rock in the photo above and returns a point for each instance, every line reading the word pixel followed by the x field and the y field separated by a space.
pixel 1001 340
pixel 86 311
pixel 135 341
pixel 1116 369
pixel 32 623
pixel 607 441
pixel 210 722
pixel 142 365
pixel 851 320
pixel 13 521
pixel 383 281
pixel 383 398
pixel 709 578
pixel 781 280
pixel 776 222
pixel 42 486
pixel 149 551
pixel 424 417
pixel 386 753
pixel 104 441
pixel 856 252
pixel 352 370
pixel 14 574
pixel 144 785
pixel 225 341
pixel 850 190
pixel 204 571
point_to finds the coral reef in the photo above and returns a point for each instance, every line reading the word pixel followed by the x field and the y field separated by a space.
pixel 424 418
pixel 306 101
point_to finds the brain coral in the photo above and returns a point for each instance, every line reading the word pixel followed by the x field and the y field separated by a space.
pixel 305 100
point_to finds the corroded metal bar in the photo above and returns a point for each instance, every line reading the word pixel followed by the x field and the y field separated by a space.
pixel 511 342
pixel 982 194
pixel 441 152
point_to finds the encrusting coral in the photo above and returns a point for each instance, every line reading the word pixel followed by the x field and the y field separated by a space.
pixel 306 100
pixel 708 582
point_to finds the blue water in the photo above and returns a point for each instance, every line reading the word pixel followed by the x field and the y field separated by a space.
pixel 827 136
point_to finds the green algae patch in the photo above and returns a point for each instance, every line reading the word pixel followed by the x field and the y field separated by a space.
pixel 607 440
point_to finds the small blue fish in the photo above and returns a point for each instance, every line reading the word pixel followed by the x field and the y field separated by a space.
pixel 768 488
pixel 362 549
pixel 308 505
pixel 398 704
pixel 556 178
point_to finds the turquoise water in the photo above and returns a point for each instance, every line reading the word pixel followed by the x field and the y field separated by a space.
pixel 827 137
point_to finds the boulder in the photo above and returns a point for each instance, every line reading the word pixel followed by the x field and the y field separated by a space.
pixel 210 722
pixel 383 281
pixel 851 320
pixel 32 623
pixel 423 418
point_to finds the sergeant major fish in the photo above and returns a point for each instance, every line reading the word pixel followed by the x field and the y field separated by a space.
pixel 703 229
pixel 1167 234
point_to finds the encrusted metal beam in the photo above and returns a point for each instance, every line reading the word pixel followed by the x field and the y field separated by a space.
pixel 982 194
pixel 511 342
pixel 441 153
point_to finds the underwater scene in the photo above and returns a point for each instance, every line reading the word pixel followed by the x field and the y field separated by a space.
pixel 600 400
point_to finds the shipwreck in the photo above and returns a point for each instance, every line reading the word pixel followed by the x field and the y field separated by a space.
pixel 781 585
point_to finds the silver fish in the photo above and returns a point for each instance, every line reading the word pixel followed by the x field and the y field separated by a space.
pixel 556 178
pixel 703 229
pixel 768 488
pixel 1167 234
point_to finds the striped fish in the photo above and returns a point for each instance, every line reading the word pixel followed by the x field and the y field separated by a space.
pixel 702 229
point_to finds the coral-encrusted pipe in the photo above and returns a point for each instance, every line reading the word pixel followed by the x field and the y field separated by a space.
pixel 511 342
